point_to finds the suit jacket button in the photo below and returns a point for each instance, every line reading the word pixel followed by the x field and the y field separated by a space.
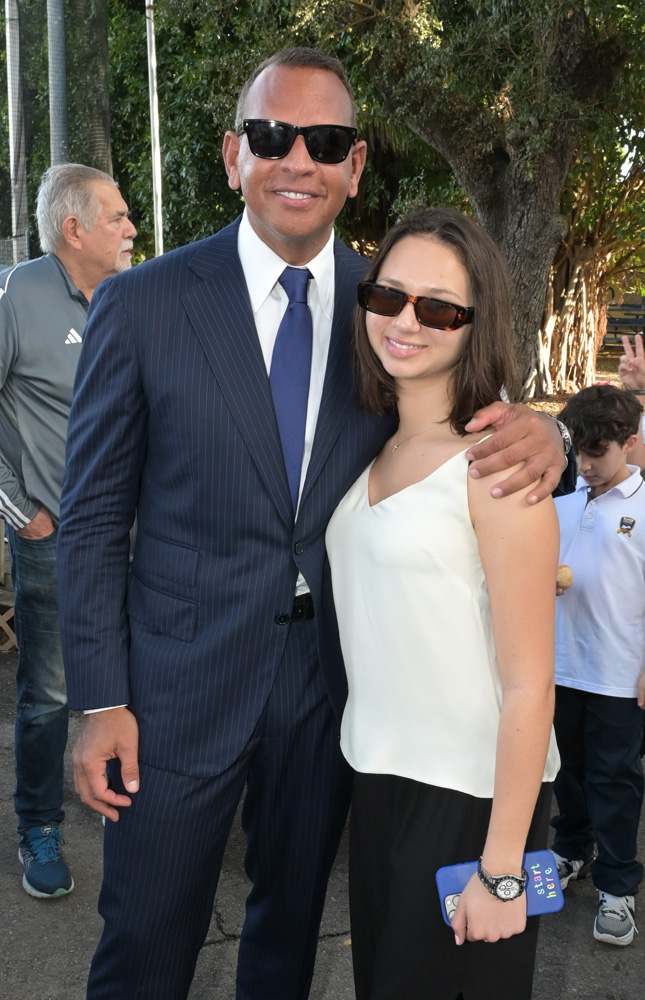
pixel 282 619
pixel 299 548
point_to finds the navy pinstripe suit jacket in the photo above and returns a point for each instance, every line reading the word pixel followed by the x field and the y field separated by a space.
pixel 173 419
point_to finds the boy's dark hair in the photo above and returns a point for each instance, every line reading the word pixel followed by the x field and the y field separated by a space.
pixel 487 365
pixel 600 414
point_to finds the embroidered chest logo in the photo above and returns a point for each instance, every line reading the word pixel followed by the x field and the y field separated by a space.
pixel 626 526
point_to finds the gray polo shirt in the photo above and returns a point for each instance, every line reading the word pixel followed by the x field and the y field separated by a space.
pixel 42 318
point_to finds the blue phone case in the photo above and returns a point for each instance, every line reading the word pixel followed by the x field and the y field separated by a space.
pixel 543 892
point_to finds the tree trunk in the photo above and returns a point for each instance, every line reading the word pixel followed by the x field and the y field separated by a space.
pixel 510 148
pixel 522 216
pixel 573 329
pixel 526 225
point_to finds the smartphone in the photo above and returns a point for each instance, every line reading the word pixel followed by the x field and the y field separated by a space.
pixel 543 892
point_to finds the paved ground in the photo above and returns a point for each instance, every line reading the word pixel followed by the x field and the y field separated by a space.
pixel 47 946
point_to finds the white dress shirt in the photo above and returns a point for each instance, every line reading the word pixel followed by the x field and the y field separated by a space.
pixel 262 268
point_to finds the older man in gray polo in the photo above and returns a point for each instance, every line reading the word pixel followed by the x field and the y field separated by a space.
pixel 86 236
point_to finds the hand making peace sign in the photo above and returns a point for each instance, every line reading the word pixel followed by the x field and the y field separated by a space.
pixel 631 367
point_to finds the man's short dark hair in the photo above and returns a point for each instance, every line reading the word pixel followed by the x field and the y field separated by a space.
pixel 600 414
pixel 297 57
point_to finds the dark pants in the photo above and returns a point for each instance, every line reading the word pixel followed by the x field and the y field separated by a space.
pixel 163 857
pixel 600 785
pixel 401 832
pixel 41 709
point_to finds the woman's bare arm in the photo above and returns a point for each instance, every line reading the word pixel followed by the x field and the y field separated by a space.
pixel 519 551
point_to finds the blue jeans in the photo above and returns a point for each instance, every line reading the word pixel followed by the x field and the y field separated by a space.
pixel 599 787
pixel 41 713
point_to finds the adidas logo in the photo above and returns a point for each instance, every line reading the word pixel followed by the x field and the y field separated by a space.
pixel 73 337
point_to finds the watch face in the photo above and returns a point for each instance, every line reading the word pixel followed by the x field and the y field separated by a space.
pixel 509 888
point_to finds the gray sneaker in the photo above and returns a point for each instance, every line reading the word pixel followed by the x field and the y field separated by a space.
pixel 615 922
pixel 568 870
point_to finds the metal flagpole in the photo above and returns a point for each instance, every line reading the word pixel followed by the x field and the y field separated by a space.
pixel 18 164
pixel 154 127
pixel 58 129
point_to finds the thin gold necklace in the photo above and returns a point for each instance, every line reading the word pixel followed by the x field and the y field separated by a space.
pixel 397 444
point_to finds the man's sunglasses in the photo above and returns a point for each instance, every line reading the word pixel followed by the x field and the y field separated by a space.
pixel 271 140
pixel 436 313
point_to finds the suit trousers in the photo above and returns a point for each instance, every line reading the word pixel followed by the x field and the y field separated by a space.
pixel 163 856
pixel 599 787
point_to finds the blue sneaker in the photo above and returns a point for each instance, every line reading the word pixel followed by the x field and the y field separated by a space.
pixel 46 873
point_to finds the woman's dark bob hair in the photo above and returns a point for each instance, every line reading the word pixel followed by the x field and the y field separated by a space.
pixel 487 365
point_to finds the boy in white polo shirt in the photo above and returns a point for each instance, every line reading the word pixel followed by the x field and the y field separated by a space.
pixel 599 659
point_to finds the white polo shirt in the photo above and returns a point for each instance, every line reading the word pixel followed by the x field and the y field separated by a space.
pixel 600 620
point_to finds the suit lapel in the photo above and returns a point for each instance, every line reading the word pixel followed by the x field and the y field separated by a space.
pixel 219 309
pixel 338 391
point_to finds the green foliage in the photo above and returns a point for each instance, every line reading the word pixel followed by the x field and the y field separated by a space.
pixel 197 78
pixel 604 201
pixel 80 16
pixel 130 116
pixel 498 81
pixel 205 51
pixel 509 76
pixel 33 58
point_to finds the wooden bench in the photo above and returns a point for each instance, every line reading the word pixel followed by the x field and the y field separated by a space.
pixel 628 318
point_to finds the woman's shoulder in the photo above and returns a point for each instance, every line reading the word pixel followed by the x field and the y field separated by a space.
pixel 470 440
pixel 479 490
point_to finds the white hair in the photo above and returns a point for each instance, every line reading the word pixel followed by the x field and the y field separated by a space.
pixel 67 189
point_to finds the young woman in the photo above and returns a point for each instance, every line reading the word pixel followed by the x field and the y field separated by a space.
pixel 445 600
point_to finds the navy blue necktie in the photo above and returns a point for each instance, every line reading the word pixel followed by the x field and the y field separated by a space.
pixel 290 372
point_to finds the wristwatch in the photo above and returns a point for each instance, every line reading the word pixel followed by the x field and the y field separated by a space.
pixel 566 437
pixel 503 887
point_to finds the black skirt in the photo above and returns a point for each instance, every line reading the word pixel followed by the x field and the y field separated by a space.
pixel 401 831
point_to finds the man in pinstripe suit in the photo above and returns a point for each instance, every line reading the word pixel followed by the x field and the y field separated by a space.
pixel 215 668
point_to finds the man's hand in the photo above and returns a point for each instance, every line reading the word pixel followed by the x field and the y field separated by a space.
pixel 522 435
pixel 105 735
pixel 631 367
pixel 41 526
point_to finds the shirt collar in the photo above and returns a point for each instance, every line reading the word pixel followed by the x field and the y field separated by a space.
pixel 74 292
pixel 262 267
pixel 627 487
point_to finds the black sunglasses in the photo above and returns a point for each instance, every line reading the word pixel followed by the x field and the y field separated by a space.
pixel 436 313
pixel 271 140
